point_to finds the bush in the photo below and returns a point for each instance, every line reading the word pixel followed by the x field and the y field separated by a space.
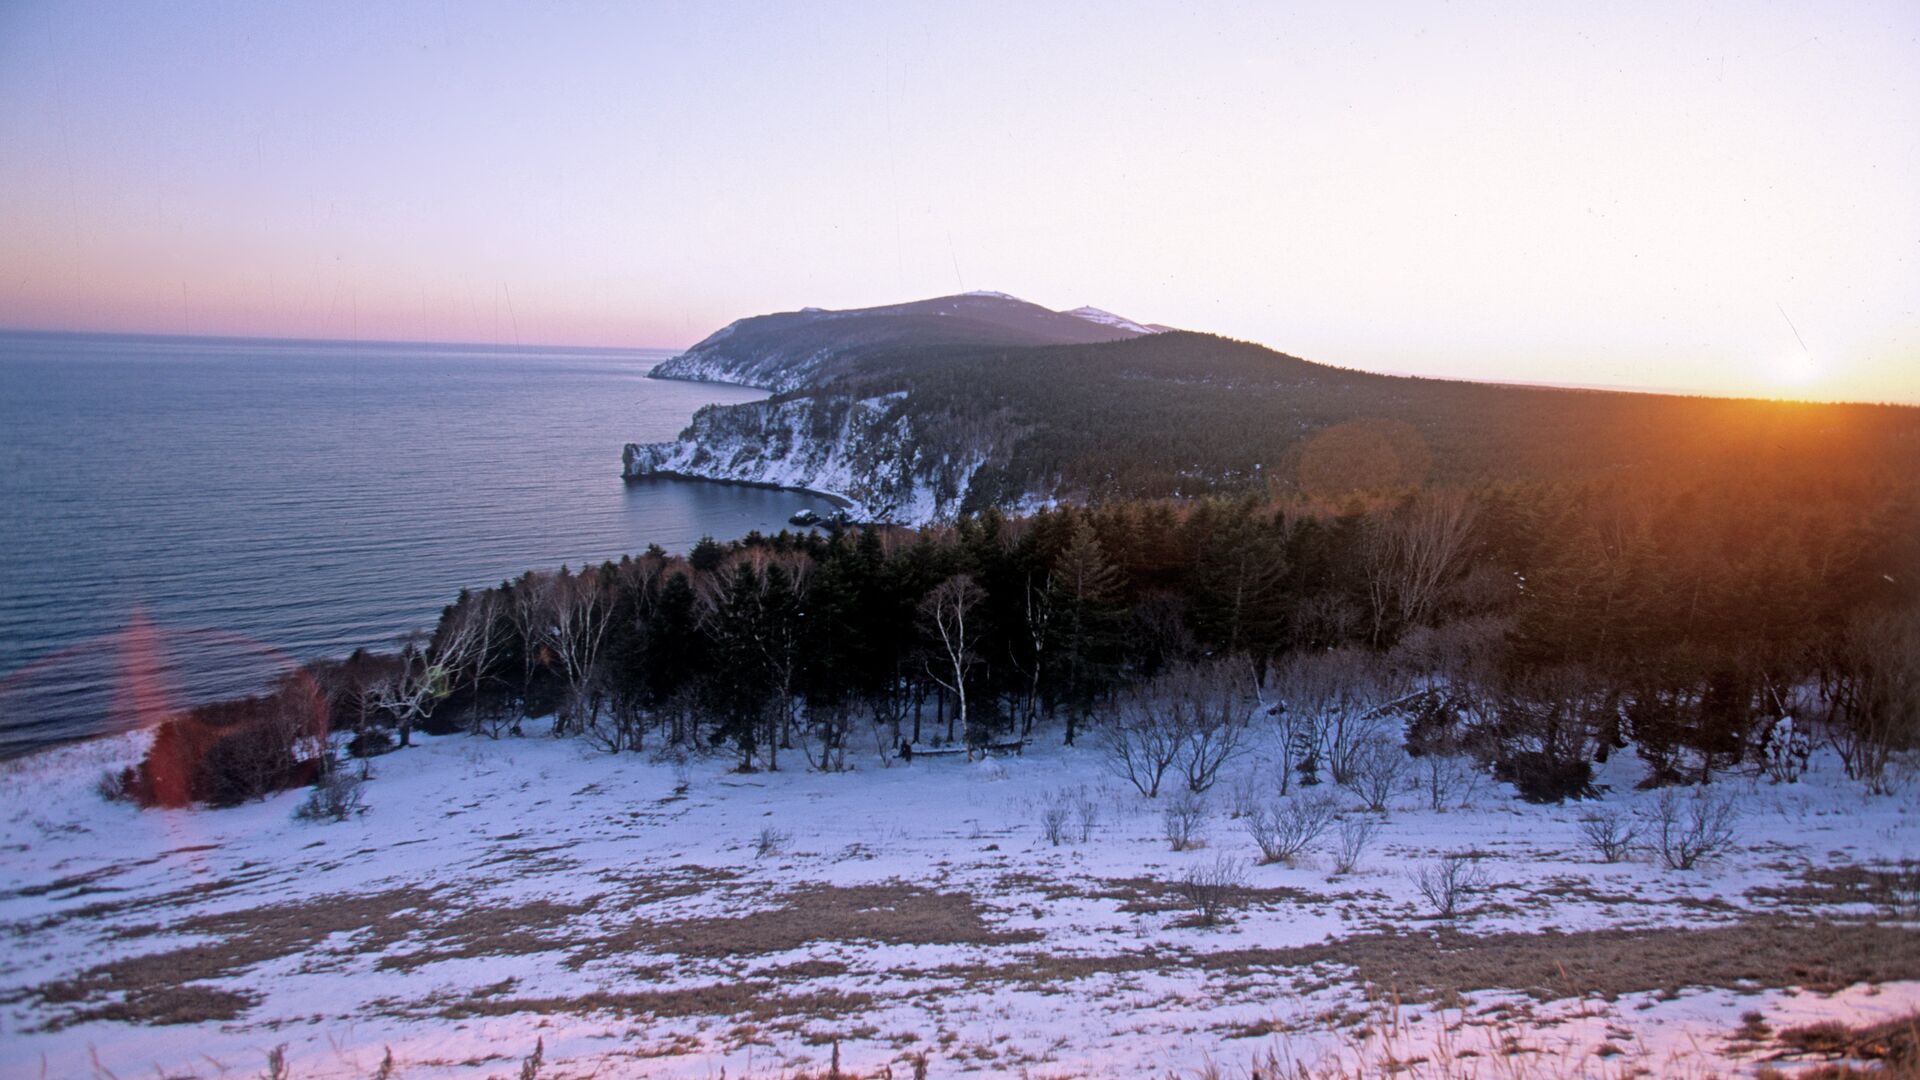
pixel 1356 834
pixel 1448 880
pixel 1184 818
pixel 1609 832
pixel 770 841
pixel 1054 815
pixel 1210 890
pixel 1689 830
pixel 1785 752
pixel 1375 771
pixel 1284 829
pixel 1546 778
pixel 1449 781
pixel 116 785
pixel 1087 814
pixel 371 742
pixel 336 796
pixel 228 752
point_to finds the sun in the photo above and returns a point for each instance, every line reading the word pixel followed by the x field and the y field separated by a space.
pixel 1796 369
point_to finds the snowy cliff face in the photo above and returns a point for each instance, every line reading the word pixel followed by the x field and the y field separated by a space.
pixel 868 451
pixel 865 451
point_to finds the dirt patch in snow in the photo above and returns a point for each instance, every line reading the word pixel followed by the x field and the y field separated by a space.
pixel 168 987
pixel 891 913
pixel 1752 955
pixel 761 1002
pixel 1892 887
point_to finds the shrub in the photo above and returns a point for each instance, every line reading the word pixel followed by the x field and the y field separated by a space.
pixel 1541 777
pixel 1284 829
pixel 1184 817
pixel 1355 836
pixel 1609 832
pixel 114 785
pixel 336 796
pixel 228 752
pixel 1054 814
pixel 1901 890
pixel 1689 830
pixel 371 742
pixel 1449 781
pixel 1785 752
pixel 770 841
pixel 1448 880
pixel 1375 771
pixel 1087 813
pixel 1210 890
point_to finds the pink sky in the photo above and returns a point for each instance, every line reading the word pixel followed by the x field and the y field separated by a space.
pixel 1649 195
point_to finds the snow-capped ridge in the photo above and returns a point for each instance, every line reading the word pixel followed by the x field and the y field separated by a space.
pixel 1107 318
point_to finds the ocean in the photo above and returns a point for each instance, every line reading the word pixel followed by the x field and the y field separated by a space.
pixel 204 512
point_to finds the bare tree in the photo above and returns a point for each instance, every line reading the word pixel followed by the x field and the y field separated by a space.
pixel 1412 555
pixel 1873 696
pixel 1218 703
pixel 471 641
pixel 579 612
pixel 527 611
pixel 409 690
pixel 1330 703
pixel 1144 740
pixel 1039 604
pixel 947 613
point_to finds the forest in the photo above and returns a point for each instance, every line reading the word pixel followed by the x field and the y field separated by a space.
pixel 1186 414
pixel 1707 625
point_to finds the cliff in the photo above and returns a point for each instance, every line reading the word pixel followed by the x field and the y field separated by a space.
pixel 870 452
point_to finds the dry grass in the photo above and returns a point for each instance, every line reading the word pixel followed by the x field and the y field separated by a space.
pixel 754 1002
pixel 1891 1049
pixel 166 987
pixel 1435 965
pixel 1757 954
pixel 893 913
pixel 1889 886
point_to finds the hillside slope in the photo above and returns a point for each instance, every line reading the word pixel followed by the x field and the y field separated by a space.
pixel 791 349
pixel 915 434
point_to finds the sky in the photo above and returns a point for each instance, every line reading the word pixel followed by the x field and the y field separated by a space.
pixel 1710 197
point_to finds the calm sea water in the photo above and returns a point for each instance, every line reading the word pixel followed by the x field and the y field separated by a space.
pixel 253 502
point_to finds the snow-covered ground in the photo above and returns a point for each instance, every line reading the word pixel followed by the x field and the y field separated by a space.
pixel 639 918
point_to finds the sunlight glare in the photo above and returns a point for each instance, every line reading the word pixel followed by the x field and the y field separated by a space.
pixel 1796 369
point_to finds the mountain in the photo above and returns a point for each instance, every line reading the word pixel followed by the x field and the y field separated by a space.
pixel 1108 318
pixel 912 431
pixel 795 348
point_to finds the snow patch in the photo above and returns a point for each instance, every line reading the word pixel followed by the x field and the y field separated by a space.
pixel 1108 318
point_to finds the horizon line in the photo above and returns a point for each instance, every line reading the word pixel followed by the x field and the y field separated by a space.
pixel 1527 384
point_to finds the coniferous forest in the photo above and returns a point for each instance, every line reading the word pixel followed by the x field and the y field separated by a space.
pixel 1528 631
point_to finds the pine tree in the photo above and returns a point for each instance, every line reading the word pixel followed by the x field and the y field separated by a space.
pixel 1087 594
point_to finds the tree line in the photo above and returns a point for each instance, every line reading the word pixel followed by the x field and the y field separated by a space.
pixel 1535 630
